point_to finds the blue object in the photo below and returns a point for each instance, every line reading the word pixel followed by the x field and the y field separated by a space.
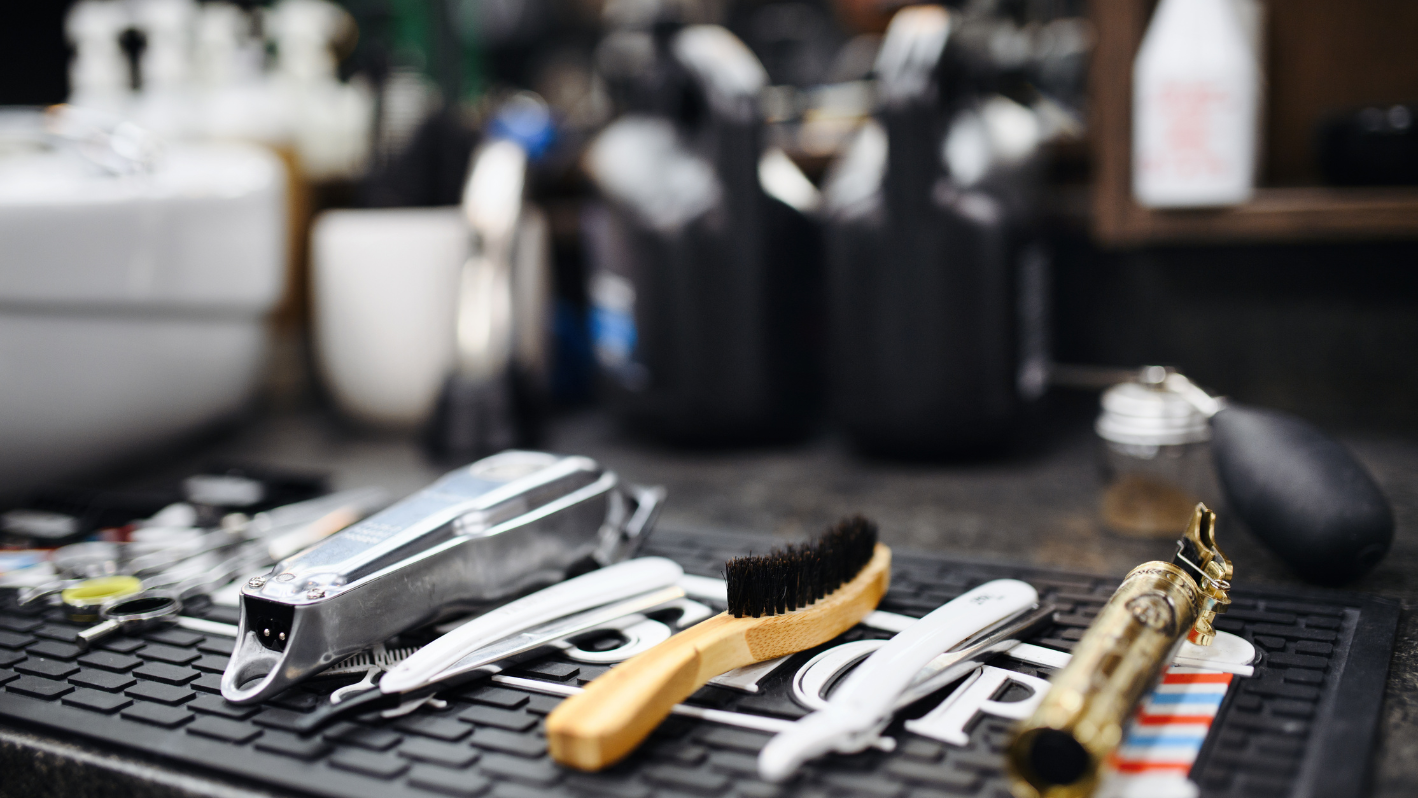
pixel 1188 698
pixel 527 121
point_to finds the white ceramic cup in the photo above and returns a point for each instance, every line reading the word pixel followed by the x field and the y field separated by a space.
pixel 384 301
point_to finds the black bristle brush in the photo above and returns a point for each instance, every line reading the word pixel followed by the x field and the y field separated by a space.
pixel 786 601
pixel 795 576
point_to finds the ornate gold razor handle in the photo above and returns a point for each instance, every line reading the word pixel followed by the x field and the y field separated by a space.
pixel 1058 750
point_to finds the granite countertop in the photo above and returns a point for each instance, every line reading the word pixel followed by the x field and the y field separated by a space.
pixel 1038 505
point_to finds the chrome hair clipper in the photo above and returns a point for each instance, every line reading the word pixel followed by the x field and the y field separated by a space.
pixel 486 531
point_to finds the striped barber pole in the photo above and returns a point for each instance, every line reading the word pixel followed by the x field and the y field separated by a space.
pixel 1165 737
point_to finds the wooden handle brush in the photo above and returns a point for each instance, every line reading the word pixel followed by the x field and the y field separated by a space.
pixel 781 603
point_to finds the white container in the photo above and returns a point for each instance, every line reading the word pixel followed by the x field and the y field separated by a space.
pixel 1196 89
pixel 385 286
pixel 132 308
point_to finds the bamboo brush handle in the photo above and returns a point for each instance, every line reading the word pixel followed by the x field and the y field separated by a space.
pixel 616 711
pixel 622 706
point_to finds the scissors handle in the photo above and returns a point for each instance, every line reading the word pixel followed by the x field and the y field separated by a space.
pixel 140 610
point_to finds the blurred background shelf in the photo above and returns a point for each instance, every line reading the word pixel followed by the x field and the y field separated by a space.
pixel 1304 213
pixel 1319 57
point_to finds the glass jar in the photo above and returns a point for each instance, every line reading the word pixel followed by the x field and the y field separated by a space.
pixel 1156 458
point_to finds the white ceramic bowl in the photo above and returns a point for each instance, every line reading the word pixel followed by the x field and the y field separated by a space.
pixel 132 309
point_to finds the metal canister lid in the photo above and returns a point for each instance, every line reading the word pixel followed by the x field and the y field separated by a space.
pixel 1146 415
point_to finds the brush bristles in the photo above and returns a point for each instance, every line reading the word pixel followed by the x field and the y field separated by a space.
pixel 796 576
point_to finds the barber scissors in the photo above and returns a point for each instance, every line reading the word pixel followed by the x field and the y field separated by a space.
pixel 141 611
pixel 282 531
pixel 160 604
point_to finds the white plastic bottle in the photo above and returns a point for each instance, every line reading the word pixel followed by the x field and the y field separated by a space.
pixel 330 121
pixel 1196 87
pixel 164 102
pixel 98 76
pixel 235 99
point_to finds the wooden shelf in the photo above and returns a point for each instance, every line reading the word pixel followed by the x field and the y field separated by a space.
pixel 1274 215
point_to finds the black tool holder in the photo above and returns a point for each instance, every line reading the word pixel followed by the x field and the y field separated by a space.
pixel 720 343
pixel 936 280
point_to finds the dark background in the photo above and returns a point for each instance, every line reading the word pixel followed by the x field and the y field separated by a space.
pixel 1329 331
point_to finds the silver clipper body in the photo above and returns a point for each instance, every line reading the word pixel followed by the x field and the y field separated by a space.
pixel 486 531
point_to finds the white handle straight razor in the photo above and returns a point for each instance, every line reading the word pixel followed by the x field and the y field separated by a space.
pixel 861 707
pixel 597 588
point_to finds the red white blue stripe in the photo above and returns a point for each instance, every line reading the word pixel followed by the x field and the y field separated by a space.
pixel 1162 743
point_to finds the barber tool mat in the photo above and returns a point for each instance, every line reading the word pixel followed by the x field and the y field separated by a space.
pixel 1301 724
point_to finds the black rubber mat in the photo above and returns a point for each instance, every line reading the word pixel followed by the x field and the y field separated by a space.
pixel 1303 725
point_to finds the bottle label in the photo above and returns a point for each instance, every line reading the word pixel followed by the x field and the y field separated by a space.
pixel 1190 117
pixel 1193 142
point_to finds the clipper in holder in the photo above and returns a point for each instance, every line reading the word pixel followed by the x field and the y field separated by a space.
pixel 483 532
pixel 1058 751
pixel 936 272
pixel 705 275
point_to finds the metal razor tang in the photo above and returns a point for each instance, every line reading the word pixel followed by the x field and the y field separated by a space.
pixel 486 531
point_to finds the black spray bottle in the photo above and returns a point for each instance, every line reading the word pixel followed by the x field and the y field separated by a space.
pixel 704 286
pixel 937 280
